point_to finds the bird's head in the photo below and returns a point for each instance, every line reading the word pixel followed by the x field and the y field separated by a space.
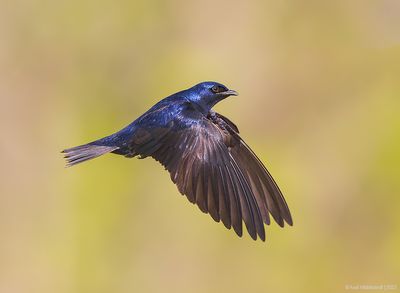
pixel 209 93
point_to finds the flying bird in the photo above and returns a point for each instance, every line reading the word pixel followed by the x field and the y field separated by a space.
pixel 205 156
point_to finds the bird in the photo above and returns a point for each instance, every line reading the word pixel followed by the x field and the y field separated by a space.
pixel 206 158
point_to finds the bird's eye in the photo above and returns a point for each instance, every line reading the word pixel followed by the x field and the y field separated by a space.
pixel 217 89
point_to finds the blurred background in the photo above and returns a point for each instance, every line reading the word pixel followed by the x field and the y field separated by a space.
pixel 319 103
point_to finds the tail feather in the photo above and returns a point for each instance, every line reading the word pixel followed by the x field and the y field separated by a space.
pixel 85 152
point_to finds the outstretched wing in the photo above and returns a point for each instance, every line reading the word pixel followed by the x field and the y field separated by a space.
pixel 263 185
pixel 216 170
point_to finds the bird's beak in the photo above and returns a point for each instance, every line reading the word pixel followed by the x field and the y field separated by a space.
pixel 229 93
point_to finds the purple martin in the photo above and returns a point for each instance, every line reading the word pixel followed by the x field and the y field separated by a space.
pixel 205 156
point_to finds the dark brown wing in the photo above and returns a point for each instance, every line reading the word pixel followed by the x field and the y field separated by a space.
pixel 215 169
pixel 263 185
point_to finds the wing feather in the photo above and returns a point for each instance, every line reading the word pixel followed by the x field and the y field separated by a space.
pixel 216 170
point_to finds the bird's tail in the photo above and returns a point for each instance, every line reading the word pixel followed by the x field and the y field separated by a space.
pixel 86 152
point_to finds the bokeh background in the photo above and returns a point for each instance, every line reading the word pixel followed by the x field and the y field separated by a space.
pixel 319 102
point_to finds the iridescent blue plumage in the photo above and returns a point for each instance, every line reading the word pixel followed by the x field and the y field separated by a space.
pixel 206 158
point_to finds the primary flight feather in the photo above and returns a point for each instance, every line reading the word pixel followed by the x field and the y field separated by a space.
pixel 205 156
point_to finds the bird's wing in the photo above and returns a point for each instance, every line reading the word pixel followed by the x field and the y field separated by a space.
pixel 263 186
pixel 215 169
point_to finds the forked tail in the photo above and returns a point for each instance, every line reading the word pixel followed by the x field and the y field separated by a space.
pixel 85 152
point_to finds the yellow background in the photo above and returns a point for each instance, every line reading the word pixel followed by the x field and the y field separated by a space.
pixel 319 102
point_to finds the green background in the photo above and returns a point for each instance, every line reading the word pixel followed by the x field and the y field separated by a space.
pixel 319 102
